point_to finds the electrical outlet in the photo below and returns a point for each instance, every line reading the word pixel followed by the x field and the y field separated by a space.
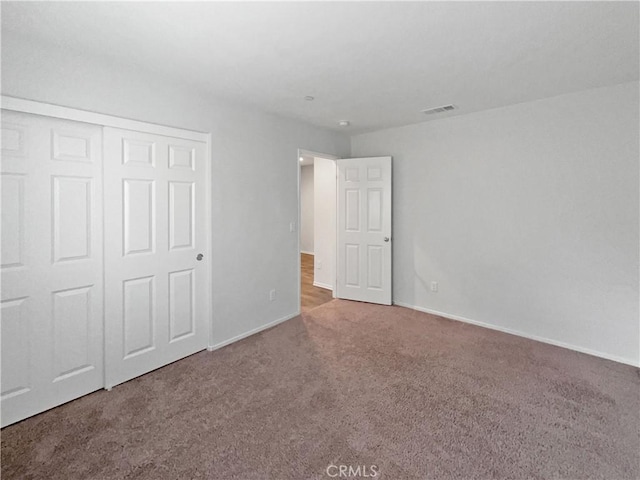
pixel 434 287
pixel 319 264
pixel 292 227
pixel 272 295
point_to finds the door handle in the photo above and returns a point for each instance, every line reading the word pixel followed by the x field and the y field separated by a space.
pixel 199 257
pixel 386 239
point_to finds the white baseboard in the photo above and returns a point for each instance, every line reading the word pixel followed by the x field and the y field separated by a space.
pixel 323 285
pixel 519 333
pixel 308 253
pixel 224 343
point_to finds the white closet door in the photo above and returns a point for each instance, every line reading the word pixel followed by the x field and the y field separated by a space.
pixel 51 263
pixel 156 293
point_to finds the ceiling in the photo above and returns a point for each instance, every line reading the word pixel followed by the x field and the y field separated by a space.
pixel 376 64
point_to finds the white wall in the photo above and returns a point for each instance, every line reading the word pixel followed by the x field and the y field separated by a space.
pixel 306 209
pixel 253 201
pixel 325 222
pixel 527 216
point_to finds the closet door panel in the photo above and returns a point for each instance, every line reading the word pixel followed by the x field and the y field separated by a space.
pixel 51 263
pixel 156 288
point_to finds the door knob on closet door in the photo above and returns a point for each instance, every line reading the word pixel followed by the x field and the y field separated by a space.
pixel 199 257
pixel 386 239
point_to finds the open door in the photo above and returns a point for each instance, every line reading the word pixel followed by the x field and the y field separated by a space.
pixel 364 230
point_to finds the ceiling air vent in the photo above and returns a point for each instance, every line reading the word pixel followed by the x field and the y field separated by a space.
pixel 442 109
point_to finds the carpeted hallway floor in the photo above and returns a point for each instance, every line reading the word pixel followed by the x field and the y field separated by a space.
pixel 354 384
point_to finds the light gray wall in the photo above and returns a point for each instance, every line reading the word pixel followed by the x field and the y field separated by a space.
pixel 306 209
pixel 253 201
pixel 527 216
pixel 324 233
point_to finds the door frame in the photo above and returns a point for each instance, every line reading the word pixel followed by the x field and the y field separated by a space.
pixel 326 156
pixel 57 111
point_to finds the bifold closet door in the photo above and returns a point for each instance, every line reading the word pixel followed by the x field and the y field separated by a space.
pixel 51 263
pixel 155 271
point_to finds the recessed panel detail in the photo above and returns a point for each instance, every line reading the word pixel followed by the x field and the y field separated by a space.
pixel 71 205
pixel 138 153
pixel 352 210
pixel 71 146
pixel 12 220
pixel 374 174
pixel 181 215
pixel 13 140
pixel 375 257
pixel 182 157
pixel 352 264
pixel 352 174
pixel 138 315
pixel 16 368
pixel 181 304
pixel 374 210
pixel 71 332
pixel 139 216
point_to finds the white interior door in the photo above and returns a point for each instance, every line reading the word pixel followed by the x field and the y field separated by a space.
pixel 156 293
pixel 51 263
pixel 364 229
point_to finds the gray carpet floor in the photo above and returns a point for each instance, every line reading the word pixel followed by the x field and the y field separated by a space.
pixel 352 384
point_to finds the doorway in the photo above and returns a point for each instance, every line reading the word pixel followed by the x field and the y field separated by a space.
pixel 317 239
pixel 345 227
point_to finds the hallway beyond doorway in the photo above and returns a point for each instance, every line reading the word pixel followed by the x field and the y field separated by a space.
pixel 310 296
